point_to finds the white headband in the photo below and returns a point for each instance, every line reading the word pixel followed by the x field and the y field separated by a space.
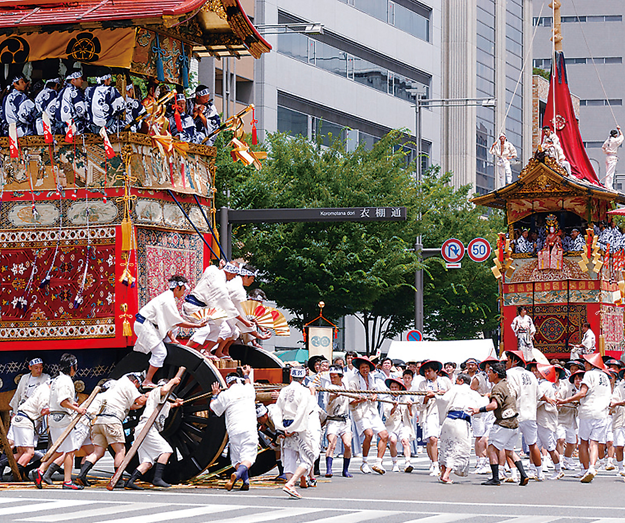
pixel 103 78
pixel 35 361
pixel 230 379
pixel 203 92
pixel 180 97
pixel 245 272
pixel 74 76
pixel 231 268
pixel 298 372
pixel 174 284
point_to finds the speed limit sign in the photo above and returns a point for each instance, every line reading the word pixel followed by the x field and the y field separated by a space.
pixel 479 249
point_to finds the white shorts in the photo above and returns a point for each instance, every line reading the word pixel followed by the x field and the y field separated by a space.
pixel 339 428
pixel 593 429
pixel 23 437
pixel 404 434
pixel 243 447
pixel 210 332
pixel 546 439
pixel 619 437
pixel 83 434
pixel 502 438
pixel 289 460
pixel 528 429
pixel 482 424
pixel 609 435
pixel 373 422
pixel 226 330
pixel 431 426
pixel 152 446
pixel 70 444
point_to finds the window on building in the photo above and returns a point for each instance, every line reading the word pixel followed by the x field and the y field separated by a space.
pixel 341 63
pixel 547 21
pixel 407 15
pixel 600 103
pixel 290 121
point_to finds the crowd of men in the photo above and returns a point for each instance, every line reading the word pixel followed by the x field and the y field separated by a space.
pixel 479 410
pixel 60 104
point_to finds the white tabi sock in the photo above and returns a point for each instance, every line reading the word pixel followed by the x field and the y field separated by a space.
pixel 619 465
pixel 394 460
pixel 558 467
pixel 539 470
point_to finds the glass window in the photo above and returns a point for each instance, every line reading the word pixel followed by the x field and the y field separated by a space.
pixel 487 5
pixel 328 131
pixel 294 45
pixel 368 140
pixel 614 18
pixel 614 60
pixel 375 8
pixel 412 23
pixel 293 122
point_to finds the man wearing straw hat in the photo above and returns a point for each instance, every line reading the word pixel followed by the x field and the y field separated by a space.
pixel 594 399
pixel 429 418
pixel 338 423
pixel 399 423
pixel 524 386
pixel 365 413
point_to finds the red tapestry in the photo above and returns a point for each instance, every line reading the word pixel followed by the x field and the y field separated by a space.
pixel 555 323
pixel 612 327
pixel 64 307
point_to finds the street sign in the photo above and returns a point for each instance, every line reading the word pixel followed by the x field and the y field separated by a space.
pixel 453 265
pixel 479 249
pixel 414 336
pixel 452 250
pixel 335 214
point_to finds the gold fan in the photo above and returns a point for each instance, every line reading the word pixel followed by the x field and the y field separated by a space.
pixel 260 313
pixel 209 313
pixel 280 326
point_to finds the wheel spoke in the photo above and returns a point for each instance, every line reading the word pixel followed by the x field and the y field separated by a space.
pixel 193 429
pixel 199 420
pixel 187 387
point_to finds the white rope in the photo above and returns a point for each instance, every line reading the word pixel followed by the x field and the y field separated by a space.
pixel 518 82
pixel 594 63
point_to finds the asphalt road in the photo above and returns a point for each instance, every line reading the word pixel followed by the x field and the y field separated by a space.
pixel 394 497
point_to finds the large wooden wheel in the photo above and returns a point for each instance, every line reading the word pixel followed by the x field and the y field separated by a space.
pixel 197 436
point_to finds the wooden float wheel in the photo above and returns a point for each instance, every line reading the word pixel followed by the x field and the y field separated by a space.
pixel 195 434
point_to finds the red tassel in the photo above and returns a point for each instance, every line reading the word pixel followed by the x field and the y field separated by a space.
pixel 14 145
pixel 254 133
pixel 178 120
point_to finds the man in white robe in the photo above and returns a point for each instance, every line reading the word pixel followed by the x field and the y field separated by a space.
pixel 524 330
pixel 292 416
pixel 503 151
pixel 154 324
pixel 238 403
pixel 610 148
pixel 211 291
pixel 62 408
pixel 455 421
pixel 429 418
pixel 154 450
pixel 365 413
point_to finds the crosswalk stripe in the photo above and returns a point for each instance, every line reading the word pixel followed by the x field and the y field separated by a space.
pixel 40 507
pixel 175 514
pixel 361 515
pixel 442 518
pixel 531 519
pixel 96 512
pixel 269 515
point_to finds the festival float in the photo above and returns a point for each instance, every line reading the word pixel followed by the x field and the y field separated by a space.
pixel 93 225
pixel 561 289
